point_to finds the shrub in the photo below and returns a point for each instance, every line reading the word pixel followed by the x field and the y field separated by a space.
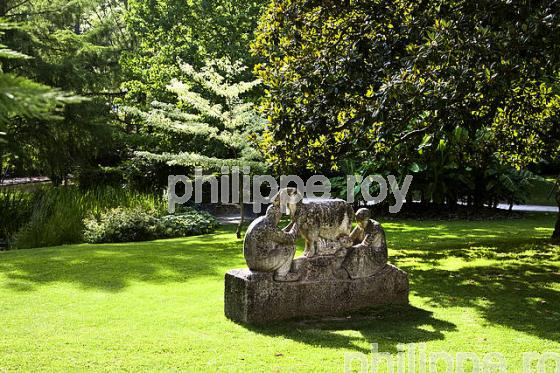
pixel 120 225
pixel 136 224
pixel 58 213
pixel 92 178
pixel 189 223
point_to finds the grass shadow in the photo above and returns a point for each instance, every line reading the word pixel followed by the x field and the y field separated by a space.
pixel 387 326
pixel 518 296
pixel 506 270
pixel 111 267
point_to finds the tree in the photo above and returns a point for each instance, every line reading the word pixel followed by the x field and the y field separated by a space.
pixel 74 47
pixel 211 120
pixel 22 97
pixel 436 87
pixel 165 32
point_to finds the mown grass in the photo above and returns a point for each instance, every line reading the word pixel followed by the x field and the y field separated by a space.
pixel 476 287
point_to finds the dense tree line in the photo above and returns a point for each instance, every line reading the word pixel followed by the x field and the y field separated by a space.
pixel 465 95
pixel 461 93
pixel 72 47
pixel 88 67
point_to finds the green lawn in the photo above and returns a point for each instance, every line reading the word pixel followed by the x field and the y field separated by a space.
pixel 476 287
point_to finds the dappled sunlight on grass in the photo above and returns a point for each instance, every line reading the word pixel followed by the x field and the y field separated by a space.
pixel 475 286
pixel 111 267
pixel 498 269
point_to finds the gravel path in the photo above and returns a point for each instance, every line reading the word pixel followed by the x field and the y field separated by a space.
pixel 24 180
pixel 529 208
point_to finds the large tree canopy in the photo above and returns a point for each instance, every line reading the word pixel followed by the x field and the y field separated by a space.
pixel 72 46
pixel 165 32
pixel 464 82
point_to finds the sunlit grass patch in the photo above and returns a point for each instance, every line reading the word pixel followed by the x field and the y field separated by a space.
pixel 475 287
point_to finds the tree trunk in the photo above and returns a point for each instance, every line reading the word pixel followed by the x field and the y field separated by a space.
pixel 556 233
pixel 241 220
pixel 241 211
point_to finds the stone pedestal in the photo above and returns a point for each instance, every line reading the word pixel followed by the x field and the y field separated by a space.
pixel 256 298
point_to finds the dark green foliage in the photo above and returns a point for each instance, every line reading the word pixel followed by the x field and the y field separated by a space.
pixel 25 98
pixel 148 175
pixel 61 147
pixel 58 213
pixel 449 89
pixel 20 96
pixel 15 210
pixel 396 77
pixel 136 224
pixel 445 182
pixel 90 178
pixel 72 46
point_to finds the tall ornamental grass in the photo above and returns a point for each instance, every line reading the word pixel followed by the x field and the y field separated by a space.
pixel 57 214
pixel 15 210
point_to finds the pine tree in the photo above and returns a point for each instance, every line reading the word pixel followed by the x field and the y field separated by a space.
pixel 23 97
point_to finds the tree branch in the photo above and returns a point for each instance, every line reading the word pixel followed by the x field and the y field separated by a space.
pixel 17 5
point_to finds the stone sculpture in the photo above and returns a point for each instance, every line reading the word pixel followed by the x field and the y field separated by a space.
pixel 368 254
pixel 269 249
pixel 342 270
pixel 320 222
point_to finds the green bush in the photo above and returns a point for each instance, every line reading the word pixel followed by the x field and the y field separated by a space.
pixel 120 225
pixel 92 178
pixel 189 223
pixel 58 214
pixel 136 224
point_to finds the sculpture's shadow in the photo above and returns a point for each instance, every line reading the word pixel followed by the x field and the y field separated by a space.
pixel 387 326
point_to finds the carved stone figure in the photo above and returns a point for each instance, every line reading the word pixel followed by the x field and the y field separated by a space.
pixel 368 254
pixel 320 222
pixel 269 249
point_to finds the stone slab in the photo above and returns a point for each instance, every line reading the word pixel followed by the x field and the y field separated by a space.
pixel 256 298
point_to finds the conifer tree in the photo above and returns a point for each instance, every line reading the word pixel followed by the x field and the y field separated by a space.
pixel 23 97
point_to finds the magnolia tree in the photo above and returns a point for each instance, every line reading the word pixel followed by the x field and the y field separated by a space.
pixel 453 91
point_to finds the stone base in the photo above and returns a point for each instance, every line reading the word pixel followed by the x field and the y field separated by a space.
pixel 256 298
